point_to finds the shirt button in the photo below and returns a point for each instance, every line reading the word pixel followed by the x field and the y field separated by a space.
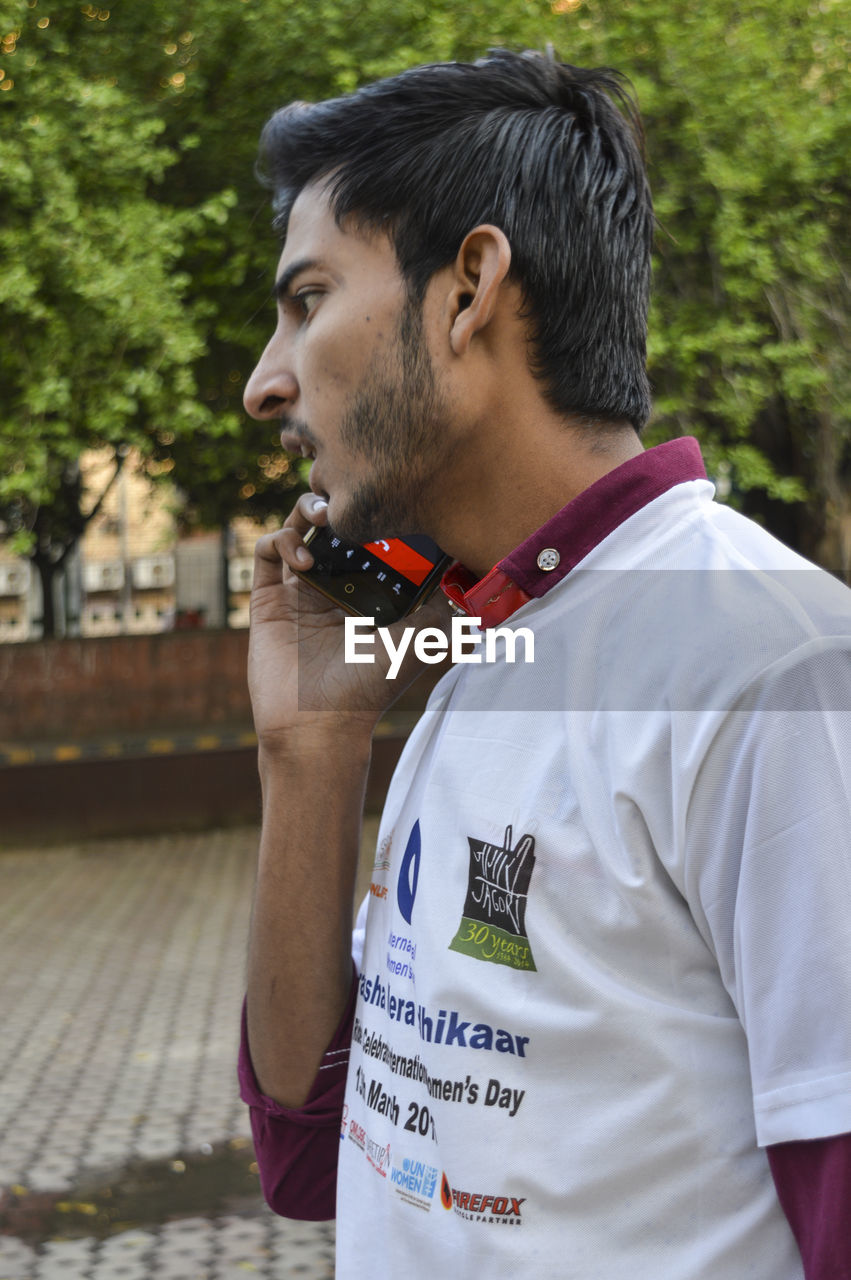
pixel 548 559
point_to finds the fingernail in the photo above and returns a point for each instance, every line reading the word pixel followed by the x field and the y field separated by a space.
pixel 319 504
pixel 302 554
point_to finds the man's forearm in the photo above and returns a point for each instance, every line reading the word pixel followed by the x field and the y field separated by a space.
pixel 299 965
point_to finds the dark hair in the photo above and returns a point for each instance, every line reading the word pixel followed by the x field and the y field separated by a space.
pixel 525 142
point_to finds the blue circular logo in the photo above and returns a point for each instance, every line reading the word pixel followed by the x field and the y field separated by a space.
pixel 409 873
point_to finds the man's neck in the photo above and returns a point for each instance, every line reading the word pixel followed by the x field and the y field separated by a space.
pixel 522 482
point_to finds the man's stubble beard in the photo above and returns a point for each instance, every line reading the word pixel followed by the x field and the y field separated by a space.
pixel 398 422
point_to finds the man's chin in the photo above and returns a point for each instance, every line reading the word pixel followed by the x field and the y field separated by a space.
pixel 349 525
pixel 363 521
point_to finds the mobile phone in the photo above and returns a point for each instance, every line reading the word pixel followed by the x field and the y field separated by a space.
pixel 385 580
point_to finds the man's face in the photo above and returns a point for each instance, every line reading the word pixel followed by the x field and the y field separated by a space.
pixel 349 374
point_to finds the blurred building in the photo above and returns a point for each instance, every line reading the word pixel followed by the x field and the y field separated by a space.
pixel 135 571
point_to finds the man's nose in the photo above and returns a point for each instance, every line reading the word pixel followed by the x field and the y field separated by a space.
pixel 272 387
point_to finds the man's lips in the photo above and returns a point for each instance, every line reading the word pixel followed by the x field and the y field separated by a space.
pixel 295 438
pixel 315 482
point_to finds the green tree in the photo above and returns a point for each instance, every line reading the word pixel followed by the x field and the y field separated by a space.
pixel 747 110
pixel 233 65
pixel 153 112
pixel 138 260
pixel 101 336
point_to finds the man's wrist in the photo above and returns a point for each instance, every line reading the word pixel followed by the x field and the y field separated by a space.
pixel 328 737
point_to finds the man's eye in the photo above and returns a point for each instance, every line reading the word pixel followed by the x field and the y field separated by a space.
pixel 306 299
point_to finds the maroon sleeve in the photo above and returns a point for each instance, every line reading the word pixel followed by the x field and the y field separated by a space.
pixel 813 1181
pixel 297 1148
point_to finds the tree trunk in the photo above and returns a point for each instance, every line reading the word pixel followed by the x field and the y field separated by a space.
pixel 47 576
pixel 223 573
pixel 832 545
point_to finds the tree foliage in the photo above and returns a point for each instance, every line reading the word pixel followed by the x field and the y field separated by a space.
pixel 241 63
pixel 100 334
pixel 137 259
pixel 748 117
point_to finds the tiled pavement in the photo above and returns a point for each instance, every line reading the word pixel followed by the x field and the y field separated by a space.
pixel 121 976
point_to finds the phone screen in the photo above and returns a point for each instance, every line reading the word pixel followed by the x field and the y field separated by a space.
pixel 385 579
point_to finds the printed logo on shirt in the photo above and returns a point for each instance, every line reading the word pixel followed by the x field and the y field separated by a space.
pixel 481 1206
pixel 377 1153
pixel 493 924
pixel 357 1134
pixel 378 1156
pixel 381 866
pixel 415 1182
pixel 382 856
pixel 409 874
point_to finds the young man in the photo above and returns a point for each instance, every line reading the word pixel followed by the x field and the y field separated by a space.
pixel 602 988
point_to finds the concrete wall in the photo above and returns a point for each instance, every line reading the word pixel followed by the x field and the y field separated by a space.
pixel 98 698
pixel 48 802
pixel 69 690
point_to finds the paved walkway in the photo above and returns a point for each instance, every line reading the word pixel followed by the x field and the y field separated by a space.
pixel 124 1147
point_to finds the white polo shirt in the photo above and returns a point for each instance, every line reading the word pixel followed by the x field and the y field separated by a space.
pixel 607 938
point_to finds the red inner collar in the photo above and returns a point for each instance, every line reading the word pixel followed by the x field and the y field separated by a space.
pixel 573 531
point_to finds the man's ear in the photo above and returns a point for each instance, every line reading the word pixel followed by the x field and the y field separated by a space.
pixel 479 270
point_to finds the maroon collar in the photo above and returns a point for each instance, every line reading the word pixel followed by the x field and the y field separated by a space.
pixel 548 555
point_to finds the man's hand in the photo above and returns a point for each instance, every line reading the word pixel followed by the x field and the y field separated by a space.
pixel 297 671
pixel 314 715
